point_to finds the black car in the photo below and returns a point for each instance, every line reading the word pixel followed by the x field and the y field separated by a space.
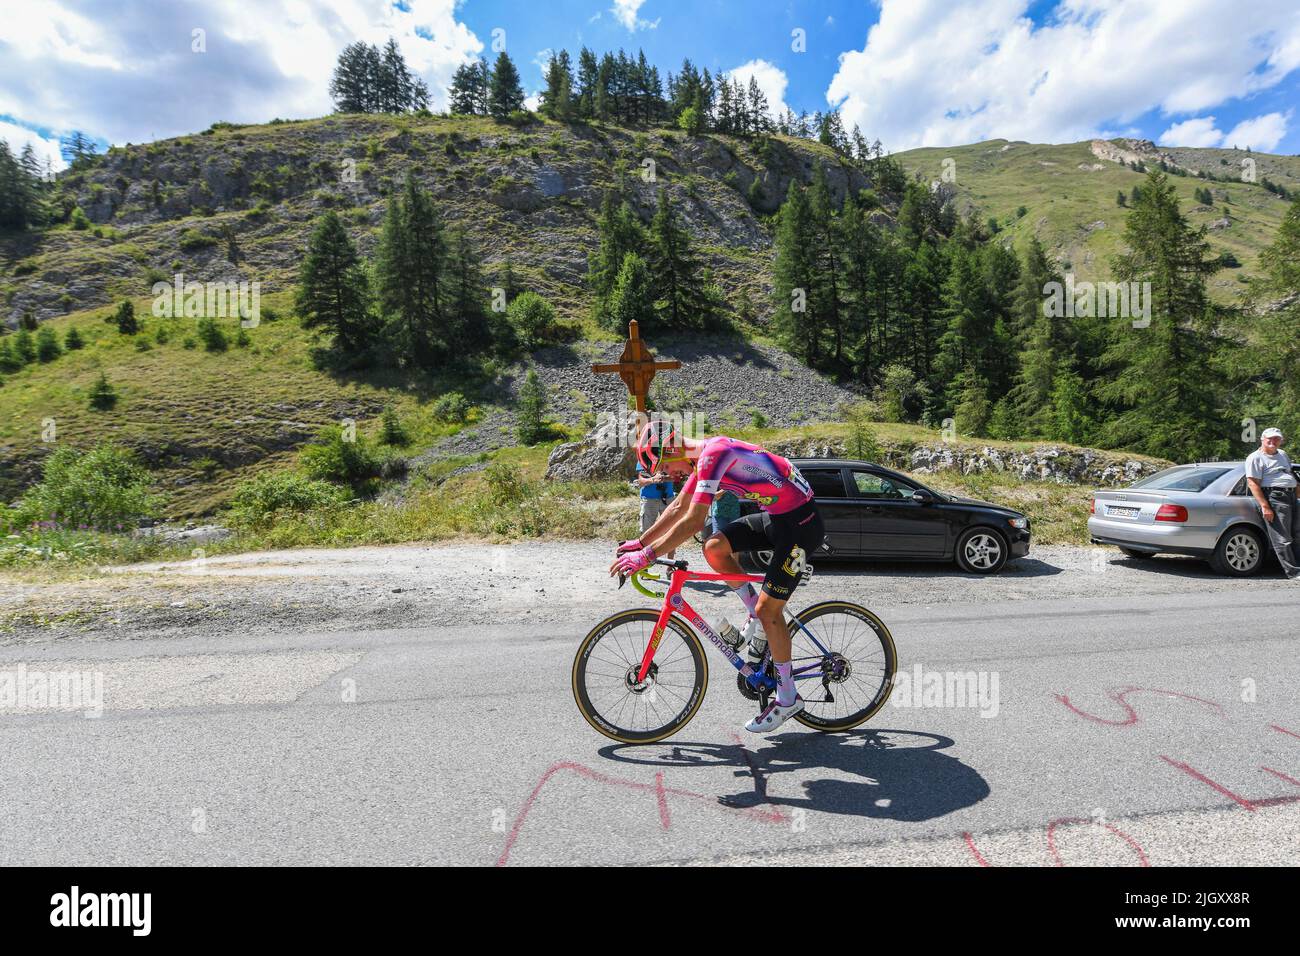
pixel 875 512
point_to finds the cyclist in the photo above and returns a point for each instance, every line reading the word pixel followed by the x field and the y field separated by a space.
pixel 788 523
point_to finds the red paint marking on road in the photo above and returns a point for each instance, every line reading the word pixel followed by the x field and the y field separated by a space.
pixel 1278 773
pixel 1283 730
pixel 1193 772
pixel 1051 838
pixel 661 792
pixel 1120 697
pixel 1276 801
pixel 661 797
pixel 970 845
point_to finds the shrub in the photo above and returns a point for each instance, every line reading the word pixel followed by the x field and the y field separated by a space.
pixel 862 443
pixel 504 484
pixel 259 499
pixel 758 418
pixel 25 347
pixel 102 489
pixel 532 317
pixel 103 397
pixel 79 220
pixel 189 343
pixel 451 408
pixel 192 239
pixel 344 458
pixel 9 361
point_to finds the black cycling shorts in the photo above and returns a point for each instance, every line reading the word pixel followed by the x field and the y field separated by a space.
pixel 791 536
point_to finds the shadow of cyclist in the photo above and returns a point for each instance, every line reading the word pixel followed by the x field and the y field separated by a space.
pixel 899 774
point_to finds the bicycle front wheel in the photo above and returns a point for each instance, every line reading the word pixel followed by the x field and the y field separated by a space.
pixel 857 659
pixel 605 669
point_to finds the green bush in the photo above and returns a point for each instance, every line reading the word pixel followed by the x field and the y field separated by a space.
pixel 344 458
pixel 73 340
pixel 261 498
pixel 192 239
pixel 79 220
pixel 451 409
pixel 532 317
pixel 394 432
pixel 104 489
pixel 504 484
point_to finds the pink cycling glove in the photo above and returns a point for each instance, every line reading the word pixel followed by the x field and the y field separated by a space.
pixel 633 545
pixel 634 561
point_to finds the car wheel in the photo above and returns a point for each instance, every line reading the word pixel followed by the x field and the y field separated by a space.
pixel 1240 552
pixel 755 562
pixel 1131 553
pixel 981 551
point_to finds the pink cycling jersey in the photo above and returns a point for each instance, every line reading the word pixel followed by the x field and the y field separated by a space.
pixel 750 473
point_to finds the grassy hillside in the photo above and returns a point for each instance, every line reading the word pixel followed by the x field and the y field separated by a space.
pixel 1069 196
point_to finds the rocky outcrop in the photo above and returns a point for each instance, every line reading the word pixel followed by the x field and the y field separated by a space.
pixel 1130 151
pixel 598 457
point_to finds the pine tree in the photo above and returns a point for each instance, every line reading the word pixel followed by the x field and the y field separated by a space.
pixel 127 323
pixel 505 95
pixel 588 69
pixel 794 277
pixel 103 397
pixel 463 95
pixel 466 295
pixel 532 409
pixel 47 345
pixel 682 300
pixel 408 270
pixel 633 296
pixel 73 340
pixel 333 291
pixel 1272 326
pixel 826 294
pixel 620 232
pixel 356 74
pixel 1164 388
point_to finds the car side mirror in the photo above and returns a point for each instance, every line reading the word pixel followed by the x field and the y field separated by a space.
pixel 921 496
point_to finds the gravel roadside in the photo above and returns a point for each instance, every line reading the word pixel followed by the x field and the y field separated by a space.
pixel 405 586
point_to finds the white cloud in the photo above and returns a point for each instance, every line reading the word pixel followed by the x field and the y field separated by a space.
pixel 926 77
pixel 1262 133
pixel 124 70
pixel 625 12
pixel 45 148
pixel 771 80
pixel 1193 132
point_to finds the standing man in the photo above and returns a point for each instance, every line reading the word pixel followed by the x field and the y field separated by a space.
pixel 1268 473
pixel 656 492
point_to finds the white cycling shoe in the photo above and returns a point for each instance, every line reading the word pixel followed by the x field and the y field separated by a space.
pixel 773 716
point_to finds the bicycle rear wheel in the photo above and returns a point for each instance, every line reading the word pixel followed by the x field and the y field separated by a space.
pixel 858 662
pixel 604 677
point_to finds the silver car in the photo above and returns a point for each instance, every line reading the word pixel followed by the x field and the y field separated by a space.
pixel 1203 510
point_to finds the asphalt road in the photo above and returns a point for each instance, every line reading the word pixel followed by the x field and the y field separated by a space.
pixel 1160 728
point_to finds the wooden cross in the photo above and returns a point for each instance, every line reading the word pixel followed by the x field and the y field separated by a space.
pixel 637 366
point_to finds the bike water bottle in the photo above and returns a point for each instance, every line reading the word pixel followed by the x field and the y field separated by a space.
pixel 757 640
pixel 727 631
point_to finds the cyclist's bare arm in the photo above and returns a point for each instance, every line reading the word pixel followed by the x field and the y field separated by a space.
pixel 681 526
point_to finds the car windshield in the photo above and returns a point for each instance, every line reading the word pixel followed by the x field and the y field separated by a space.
pixel 1184 478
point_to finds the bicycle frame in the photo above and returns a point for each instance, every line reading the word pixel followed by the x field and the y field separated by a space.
pixel 674 602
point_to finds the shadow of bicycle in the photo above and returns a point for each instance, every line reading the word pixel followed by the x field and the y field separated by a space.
pixel 900 774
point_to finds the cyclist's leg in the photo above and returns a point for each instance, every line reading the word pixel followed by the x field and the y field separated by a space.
pixel 794 537
pixel 720 550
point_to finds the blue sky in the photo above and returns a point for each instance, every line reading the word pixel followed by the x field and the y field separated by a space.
pixel 909 72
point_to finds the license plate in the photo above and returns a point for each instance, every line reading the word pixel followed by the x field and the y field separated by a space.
pixel 1116 511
